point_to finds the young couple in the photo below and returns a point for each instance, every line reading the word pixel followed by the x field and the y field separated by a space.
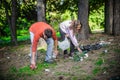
pixel 43 30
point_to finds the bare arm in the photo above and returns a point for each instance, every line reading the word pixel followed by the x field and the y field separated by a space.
pixel 33 58
pixel 55 47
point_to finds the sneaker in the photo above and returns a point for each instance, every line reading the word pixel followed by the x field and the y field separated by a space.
pixel 54 56
pixel 71 57
pixel 71 54
pixel 49 61
pixel 66 56
pixel 29 55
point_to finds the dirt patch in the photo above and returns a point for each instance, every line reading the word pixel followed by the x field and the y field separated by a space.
pixel 98 66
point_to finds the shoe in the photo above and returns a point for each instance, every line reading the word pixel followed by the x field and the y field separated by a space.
pixel 66 56
pixel 54 56
pixel 71 54
pixel 49 61
pixel 71 58
pixel 29 55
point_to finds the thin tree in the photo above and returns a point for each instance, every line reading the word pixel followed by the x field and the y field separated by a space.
pixel 12 17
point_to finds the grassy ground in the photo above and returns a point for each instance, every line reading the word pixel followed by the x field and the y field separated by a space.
pixel 99 65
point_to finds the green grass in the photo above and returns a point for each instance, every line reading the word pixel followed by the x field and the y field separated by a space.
pixel 99 62
pixel 5 41
pixel 26 71
pixel 96 70
pixel 117 50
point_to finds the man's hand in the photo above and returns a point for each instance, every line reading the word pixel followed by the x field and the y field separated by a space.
pixel 56 52
pixel 33 66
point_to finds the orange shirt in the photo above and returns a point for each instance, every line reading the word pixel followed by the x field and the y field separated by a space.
pixel 37 29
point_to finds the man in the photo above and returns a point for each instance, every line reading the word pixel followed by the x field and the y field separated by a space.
pixel 42 30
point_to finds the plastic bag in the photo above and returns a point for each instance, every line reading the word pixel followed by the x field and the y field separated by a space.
pixel 64 44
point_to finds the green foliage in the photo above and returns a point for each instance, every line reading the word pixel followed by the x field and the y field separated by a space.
pixel 55 19
pixel 23 23
pixel 96 19
pixel 60 10
pixel 95 4
pixel 23 38
pixel 58 34
pixel 56 12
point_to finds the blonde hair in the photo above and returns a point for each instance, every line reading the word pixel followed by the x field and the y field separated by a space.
pixel 74 25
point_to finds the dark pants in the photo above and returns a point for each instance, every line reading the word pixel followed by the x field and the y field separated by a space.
pixel 71 44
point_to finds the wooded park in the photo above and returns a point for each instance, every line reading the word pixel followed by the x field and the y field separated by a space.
pixel 100 20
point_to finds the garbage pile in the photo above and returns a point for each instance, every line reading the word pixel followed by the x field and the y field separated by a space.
pixel 91 47
pixel 80 56
pixel 95 46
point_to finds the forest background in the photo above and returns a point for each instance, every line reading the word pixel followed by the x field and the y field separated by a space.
pixel 56 11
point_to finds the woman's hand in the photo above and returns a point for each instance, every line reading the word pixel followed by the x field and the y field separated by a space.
pixel 79 50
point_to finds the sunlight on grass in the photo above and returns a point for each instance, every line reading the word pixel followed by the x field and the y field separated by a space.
pixel 23 38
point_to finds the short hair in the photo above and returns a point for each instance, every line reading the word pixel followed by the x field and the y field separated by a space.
pixel 48 33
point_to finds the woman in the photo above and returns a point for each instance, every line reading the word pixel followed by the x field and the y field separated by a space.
pixel 69 29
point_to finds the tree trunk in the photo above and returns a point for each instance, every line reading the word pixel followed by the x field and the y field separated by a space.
pixel 41 10
pixel 41 5
pixel 108 16
pixel 116 17
pixel 83 17
pixel 13 22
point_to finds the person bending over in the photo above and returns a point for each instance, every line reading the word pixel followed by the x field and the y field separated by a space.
pixel 69 29
pixel 42 30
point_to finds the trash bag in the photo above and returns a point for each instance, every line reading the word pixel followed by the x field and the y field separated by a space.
pixel 64 44
pixel 96 47
pixel 91 47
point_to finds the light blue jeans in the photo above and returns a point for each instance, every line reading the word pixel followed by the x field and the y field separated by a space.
pixel 49 52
